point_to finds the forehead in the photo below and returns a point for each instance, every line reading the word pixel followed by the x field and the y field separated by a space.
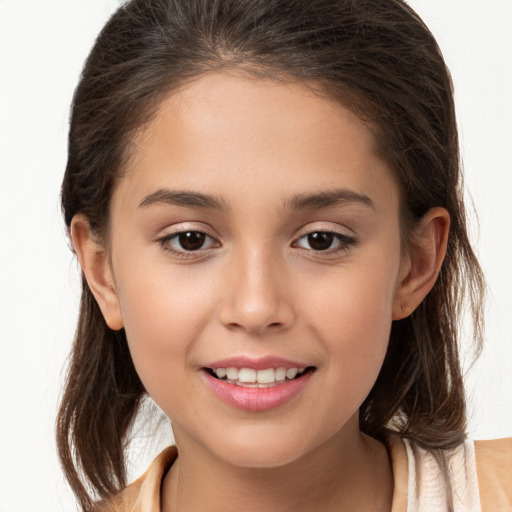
pixel 219 107
pixel 227 130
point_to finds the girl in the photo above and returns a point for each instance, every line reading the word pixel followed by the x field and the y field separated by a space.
pixel 264 197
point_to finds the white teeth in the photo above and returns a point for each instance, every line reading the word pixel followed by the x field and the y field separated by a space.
pixel 266 376
pixel 280 374
pixel 291 372
pixel 232 373
pixel 257 378
pixel 247 375
pixel 220 372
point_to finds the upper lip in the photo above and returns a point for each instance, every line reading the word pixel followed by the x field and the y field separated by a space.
pixel 259 363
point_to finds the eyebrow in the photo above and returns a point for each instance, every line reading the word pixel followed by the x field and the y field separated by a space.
pixel 313 201
pixel 328 199
pixel 183 198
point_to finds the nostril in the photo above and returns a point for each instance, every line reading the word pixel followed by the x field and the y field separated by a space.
pixel 255 327
pixel 254 313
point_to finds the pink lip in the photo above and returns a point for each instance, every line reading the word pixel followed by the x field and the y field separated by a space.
pixel 256 399
pixel 260 363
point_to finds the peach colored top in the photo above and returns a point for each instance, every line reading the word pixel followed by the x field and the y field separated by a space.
pixel 481 476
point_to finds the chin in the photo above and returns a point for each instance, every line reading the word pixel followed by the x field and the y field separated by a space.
pixel 260 450
pixel 266 458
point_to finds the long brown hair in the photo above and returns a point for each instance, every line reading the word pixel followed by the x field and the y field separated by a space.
pixel 376 57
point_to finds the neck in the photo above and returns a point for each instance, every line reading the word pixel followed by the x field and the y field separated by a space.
pixel 345 474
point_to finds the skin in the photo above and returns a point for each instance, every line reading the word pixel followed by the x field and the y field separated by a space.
pixel 257 287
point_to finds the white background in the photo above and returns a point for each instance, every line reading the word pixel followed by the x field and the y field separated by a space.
pixel 42 47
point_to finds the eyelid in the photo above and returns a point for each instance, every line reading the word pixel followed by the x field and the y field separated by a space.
pixel 165 239
pixel 325 227
pixel 341 236
pixel 346 241
pixel 170 230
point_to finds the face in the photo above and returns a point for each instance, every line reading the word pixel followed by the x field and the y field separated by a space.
pixel 256 237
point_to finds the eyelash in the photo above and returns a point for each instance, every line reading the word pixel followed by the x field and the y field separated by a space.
pixel 344 243
pixel 166 241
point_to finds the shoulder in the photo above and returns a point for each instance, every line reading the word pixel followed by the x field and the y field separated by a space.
pixel 143 495
pixel 480 475
pixel 442 480
pixel 494 469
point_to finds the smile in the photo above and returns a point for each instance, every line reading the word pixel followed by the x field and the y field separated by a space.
pixel 257 386
pixel 264 378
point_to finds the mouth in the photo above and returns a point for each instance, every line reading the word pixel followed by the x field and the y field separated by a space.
pixel 262 378
pixel 257 385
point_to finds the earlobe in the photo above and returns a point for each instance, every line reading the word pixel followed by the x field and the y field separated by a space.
pixel 426 255
pixel 94 260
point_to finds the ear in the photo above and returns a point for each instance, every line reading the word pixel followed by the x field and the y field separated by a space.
pixel 423 263
pixel 95 263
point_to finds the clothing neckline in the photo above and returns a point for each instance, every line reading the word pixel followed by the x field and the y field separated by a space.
pixel 144 494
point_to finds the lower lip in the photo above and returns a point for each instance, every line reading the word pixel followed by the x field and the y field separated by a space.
pixel 257 399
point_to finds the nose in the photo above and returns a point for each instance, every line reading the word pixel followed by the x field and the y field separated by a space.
pixel 255 296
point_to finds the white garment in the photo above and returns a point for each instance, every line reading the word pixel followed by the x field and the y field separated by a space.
pixel 427 491
pixel 419 483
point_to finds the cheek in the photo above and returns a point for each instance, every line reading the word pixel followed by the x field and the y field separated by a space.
pixel 352 315
pixel 163 314
pixel 356 297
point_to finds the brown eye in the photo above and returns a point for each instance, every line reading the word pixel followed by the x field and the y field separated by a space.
pixel 187 242
pixel 327 241
pixel 320 240
pixel 191 240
